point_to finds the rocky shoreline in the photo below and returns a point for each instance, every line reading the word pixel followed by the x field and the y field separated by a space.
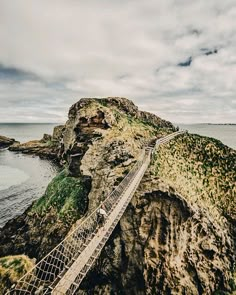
pixel 6 142
pixel 44 148
pixel 47 148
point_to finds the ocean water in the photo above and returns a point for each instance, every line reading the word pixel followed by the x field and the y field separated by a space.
pixel 225 133
pixel 23 178
pixel 25 132
pixel 17 176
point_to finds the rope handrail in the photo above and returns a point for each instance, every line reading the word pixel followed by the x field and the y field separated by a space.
pixel 85 232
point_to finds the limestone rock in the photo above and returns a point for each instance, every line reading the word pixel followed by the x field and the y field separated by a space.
pixel 6 141
pixel 58 132
pixel 46 137
pixel 40 148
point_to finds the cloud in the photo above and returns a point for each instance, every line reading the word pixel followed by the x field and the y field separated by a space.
pixel 176 58
pixel 186 63
pixel 14 73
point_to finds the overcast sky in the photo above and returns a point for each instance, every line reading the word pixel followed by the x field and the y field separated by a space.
pixel 176 58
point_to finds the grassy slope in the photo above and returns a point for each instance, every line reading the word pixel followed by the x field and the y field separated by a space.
pixel 66 195
pixel 201 169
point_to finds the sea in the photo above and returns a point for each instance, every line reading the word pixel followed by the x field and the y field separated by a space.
pixel 24 178
pixel 225 133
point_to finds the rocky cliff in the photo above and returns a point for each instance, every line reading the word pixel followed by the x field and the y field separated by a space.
pixel 177 234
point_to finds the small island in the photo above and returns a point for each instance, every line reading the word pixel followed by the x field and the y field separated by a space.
pixel 177 233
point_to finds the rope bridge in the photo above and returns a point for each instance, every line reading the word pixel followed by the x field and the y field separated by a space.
pixel 62 270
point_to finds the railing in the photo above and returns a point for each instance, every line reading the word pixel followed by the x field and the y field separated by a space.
pixel 168 137
pixel 62 270
pixel 47 271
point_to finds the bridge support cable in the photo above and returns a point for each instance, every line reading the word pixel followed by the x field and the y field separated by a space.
pixel 62 270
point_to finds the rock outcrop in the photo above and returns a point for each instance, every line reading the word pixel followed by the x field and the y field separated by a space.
pixel 5 142
pixel 13 268
pixel 176 236
pixel 48 147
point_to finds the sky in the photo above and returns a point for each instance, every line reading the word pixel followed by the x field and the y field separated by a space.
pixel 175 58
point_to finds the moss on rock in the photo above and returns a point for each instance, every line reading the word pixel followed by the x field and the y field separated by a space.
pixel 67 195
pixel 12 268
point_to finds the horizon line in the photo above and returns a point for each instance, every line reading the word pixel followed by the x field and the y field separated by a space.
pixel 223 123
pixel 31 123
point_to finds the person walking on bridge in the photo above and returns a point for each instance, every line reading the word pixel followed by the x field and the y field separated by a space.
pixel 102 214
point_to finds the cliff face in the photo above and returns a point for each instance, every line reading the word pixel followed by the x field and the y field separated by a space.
pixel 172 239
pixel 103 138
pixel 176 236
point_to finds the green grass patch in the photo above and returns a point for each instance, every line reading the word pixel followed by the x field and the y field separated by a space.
pixel 65 194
